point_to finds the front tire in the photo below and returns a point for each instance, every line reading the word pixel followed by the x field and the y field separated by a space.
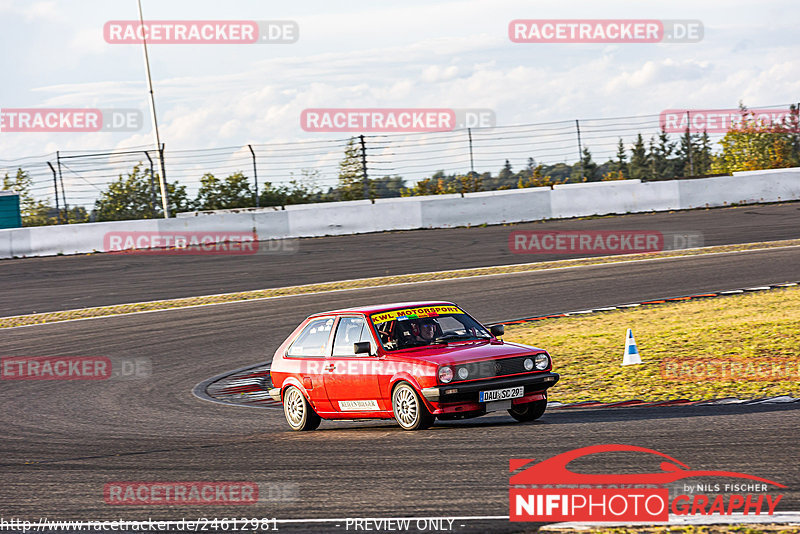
pixel 298 411
pixel 530 411
pixel 409 410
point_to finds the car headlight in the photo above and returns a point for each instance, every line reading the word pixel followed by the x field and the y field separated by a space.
pixel 463 373
pixel 541 361
pixel 445 374
pixel 528 363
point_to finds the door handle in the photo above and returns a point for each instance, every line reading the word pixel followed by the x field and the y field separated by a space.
pixel 330 367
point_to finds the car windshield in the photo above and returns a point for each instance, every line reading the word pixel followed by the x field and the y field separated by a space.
pixel 419 327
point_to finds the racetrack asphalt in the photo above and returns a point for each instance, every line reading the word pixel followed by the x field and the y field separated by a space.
pixel 63 440
pixel 33 285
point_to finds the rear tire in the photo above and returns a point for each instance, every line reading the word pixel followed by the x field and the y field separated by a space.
pixel 409 410
pixel 530 411
pixel 298 411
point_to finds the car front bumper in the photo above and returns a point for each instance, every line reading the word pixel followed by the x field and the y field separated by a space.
pixel 275 393
pixel 467 392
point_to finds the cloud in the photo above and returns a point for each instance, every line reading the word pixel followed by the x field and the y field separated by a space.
pixel 655 73
pixel 390 54
pixel 31 11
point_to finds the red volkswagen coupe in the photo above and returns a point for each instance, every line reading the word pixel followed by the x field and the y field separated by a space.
pixel 413 362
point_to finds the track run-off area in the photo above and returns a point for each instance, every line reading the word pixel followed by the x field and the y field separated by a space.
pixel 64 441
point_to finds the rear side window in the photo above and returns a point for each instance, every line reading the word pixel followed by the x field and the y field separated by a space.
pixel 349 331
pixel 313 340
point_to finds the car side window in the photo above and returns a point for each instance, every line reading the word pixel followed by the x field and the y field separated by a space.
pixel 313 340
pixel 451 324
pixel 349 331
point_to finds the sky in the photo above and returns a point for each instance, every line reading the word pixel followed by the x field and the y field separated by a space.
pixel 387 54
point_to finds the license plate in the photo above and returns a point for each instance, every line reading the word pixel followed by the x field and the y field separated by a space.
pixel 501 394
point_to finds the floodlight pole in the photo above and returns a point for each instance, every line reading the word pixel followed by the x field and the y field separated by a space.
pixel 161 179
pixel 55 188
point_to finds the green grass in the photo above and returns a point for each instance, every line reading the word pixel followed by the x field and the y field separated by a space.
pixel 761 327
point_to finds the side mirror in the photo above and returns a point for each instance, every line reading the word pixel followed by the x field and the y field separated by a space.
pixel 362 347
pixel 497 330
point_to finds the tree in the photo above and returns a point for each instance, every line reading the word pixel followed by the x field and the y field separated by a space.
pixel 638 165
pixel 435 185
pixel 704 155
pixel 389 186
pixel 216 194
pixel 132 198
pixel 620 167
pixel 587 166
pixel 751 145
pixel 300 190
pixel 352 181
pixel 537 179
pixel 505 173
pixel 686 154
pixel 75 215
pixel 651 157
pixel 663 166
pixel 792 126
pixel 34 212
pixel 469 183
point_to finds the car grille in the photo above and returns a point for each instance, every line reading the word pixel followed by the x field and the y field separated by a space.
pixel 492 368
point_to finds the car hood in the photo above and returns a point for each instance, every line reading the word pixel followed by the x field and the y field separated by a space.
pixel 457 353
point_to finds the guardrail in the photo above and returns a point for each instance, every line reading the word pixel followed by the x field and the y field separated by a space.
pixel 440 211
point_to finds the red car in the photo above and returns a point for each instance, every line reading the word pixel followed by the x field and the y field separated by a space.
pixel 413 362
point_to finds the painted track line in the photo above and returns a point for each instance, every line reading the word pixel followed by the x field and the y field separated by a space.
pixel 652 302
pixel 4 321
pixel 247 385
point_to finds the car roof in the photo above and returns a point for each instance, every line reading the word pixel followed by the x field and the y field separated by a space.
pixel 378 308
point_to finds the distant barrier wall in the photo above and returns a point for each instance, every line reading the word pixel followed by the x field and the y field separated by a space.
pixel 440 211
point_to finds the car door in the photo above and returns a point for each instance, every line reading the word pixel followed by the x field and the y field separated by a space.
pixel 350 379
pixel 308 354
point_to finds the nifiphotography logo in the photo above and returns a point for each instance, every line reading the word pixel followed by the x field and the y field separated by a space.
pixel 549 491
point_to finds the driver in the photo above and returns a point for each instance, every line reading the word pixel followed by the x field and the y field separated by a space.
pixel 426 331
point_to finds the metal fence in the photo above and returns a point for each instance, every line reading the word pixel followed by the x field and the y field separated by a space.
pixel 77 178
